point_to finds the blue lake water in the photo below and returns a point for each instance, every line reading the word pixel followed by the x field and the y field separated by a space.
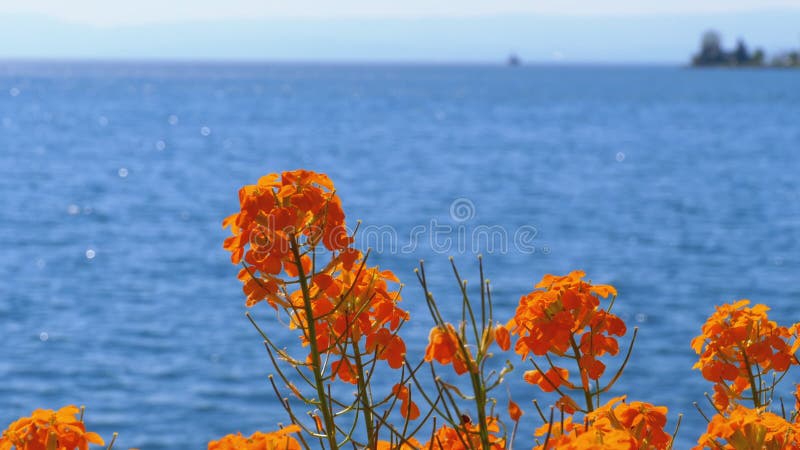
pixel 678 186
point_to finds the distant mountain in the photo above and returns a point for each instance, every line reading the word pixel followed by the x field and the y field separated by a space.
pixel 535 38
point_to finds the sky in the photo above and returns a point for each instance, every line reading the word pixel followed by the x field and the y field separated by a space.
pixel 409 30
pixel 115 12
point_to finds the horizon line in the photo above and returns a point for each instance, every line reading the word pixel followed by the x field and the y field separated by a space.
pixel 500 62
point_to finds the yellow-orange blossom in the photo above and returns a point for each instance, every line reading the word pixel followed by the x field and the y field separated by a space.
pixel 46 429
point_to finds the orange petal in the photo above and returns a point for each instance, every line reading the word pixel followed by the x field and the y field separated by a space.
pixel 514 411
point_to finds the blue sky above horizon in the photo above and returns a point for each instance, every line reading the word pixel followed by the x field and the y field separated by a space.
pixel 570 31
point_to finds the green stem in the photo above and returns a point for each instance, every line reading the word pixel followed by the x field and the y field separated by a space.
pixel 753 388
pixel 327 414
pixel 372 439
pixel 480 400
pixel 586 390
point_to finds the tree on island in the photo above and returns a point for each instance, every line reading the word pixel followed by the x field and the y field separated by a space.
pixel 741 55
pixel 759 57
pixel 787 59
pixel 712 54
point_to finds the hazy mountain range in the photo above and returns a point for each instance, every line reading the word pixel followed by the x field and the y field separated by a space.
pixel 536 38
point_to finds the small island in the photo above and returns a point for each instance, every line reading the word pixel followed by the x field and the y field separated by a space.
pixel 712 54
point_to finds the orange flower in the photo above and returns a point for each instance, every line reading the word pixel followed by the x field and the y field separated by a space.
pixel 443 346
pixel 344 370
pixel 412 444
pixel 567 404
pixel 502 336
pixel 561 434
pixel 276 440
pixel 349 306
pixel 548 320
pixel 514 411
pixel 550 380
pixel 615 425
pixel 746 428
pixel 739 342
pixel 408 409
pixel 591 439
pixel 645 423
pixel 797 401
pixel 298 207
pixel 592 367
pixel 46 429
pixel 448 438
pixel 349 303
pixel 726 395
pixel 387 346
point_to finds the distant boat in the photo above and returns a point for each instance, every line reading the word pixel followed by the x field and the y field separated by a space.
pixel 513 60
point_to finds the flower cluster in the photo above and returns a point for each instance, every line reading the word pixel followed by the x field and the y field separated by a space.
pixel 290 236
pixel 738 347
pixel 446 346
pixel 46 429
pixel 281 221
pixel 277 215
pixel 351 304
pixel 745 355
pixel 750 428
pixel 465 437
pixel 276 440
pixel 547 319
pixel 617 425
pixel 562 317
pixel 409 444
